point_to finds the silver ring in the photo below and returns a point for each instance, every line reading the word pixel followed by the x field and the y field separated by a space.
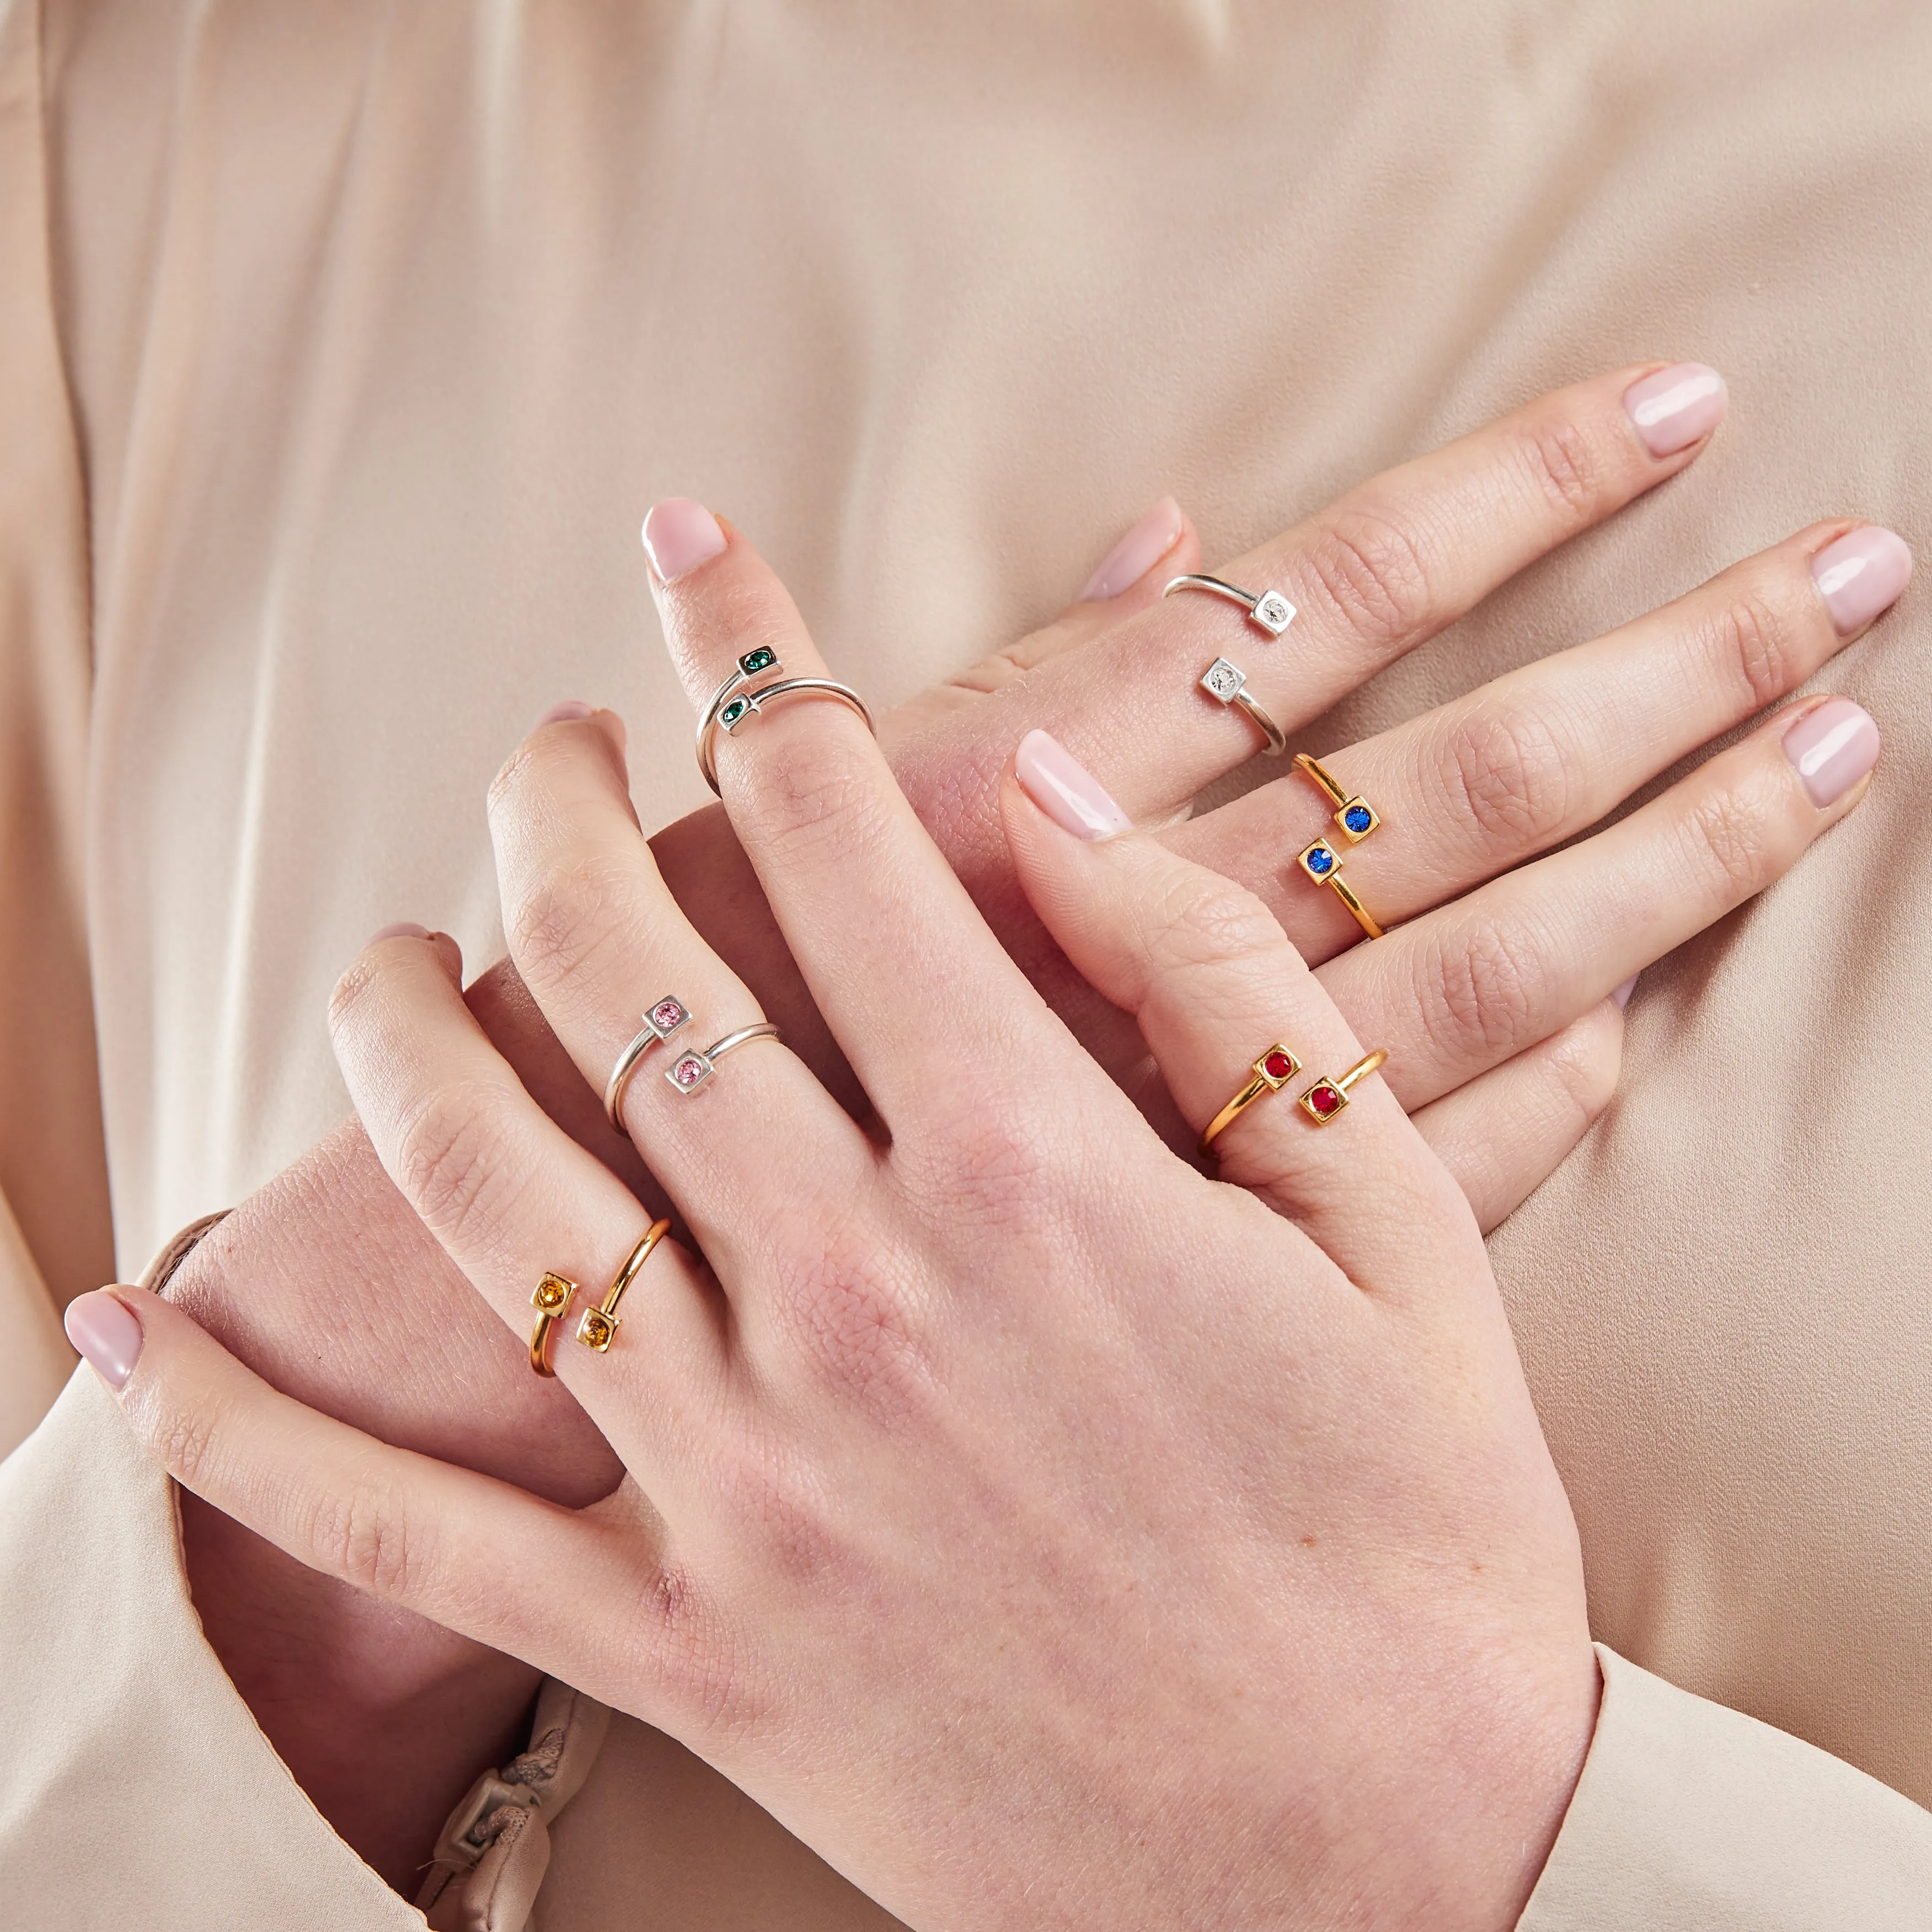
pixel 1227 684
pixel 690 1071
pixel 731 706
pixel 663 1019
pixel 1267 610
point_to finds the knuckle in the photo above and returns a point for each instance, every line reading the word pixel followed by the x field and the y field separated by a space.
pixel 1204 920
pixel 1480 998
pixel 1372 571
pixel 346 998
pixel 846 1311
pixel 1505 774
pixel 1587 1059
pixel 1731 830
pixel 447 1159
pixel 183 1441
pixel 1751 638
pixel 1563 461
pixel 823 799
pixel 697 1665
pixel 362 1533
pixel 568 913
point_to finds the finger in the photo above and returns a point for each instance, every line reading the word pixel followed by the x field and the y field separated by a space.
pixel 476 1555
pixel 1531 759
pixel 512 1199
pixel 1473 984
pixel 1214 985
pixel 601 943
pixel 1507 1131
pixel 1162 543
pixel 1386 568
pixel 912 983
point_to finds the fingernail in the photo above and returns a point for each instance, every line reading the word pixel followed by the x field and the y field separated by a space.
pixel 1831 748
pixel 1621 993
pixel 678 535
pixel 403 929
pixel 1065 790
pixel 1137 553
pixel 1861 575
pixel 103 1329
pixel 1673 409
pixel 568 712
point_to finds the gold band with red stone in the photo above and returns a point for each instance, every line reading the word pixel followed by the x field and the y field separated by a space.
pixel 1269 1074
pixel 1327 1098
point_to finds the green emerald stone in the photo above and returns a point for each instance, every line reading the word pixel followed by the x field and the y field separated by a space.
pixel 763 658
pixel 732 711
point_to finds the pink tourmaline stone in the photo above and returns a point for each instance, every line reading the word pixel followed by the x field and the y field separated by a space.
pixel 686 1073
pixel 666 1014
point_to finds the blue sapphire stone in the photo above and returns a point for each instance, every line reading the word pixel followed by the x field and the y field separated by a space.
pixel 1357 818
pixel 1320 860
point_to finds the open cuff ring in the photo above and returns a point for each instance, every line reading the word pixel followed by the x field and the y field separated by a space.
pixel 1268 1075
pixel 549 1299
pixel 597 1328
pixel 663 1019
pixel 1327 1098
pixel 1355 816
pixel 731 705
pixel 1267 610
pixel 1227 684
pixel 690 1071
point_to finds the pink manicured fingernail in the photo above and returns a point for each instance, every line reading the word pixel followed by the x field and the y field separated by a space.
pixel 104 1329
pixel 1861 575
pixel 568 712
pixel 1065 790
pixel 680 535
pixel 403 929
pixel 1673 409
pixel 1621 993
pixel 1831 748
pixel 1137 553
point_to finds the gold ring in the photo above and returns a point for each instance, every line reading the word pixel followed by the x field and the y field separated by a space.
pixel 1354 814
pixel 1345 892
pixel 1327 1098
pixel 597 1327
pixel 550 1298
pixel 1270 1073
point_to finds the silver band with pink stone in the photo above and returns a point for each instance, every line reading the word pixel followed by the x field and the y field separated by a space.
pixel 663 1019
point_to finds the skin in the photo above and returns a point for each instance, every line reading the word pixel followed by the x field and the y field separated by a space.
pixel 303 1282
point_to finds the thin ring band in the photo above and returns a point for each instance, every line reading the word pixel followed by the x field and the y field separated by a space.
pixel 690 1071
pixel 1269 1074
pixel 1355 816
pixel 549 1299
pixel 1267 610
pixel 734 710
pixel 1226 683
pixel 1345 892
pixel 1327 1098
pixel 1323 864
pixel 661 1019
pixel 597 1327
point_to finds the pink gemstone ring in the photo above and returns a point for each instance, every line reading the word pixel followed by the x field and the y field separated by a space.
pixel 663 1019
pixel 692 1070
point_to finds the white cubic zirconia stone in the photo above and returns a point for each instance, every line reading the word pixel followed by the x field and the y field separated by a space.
pixel 1222 680
pixel 1273 612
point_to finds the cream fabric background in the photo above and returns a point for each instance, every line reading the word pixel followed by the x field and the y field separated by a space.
pixel 342 348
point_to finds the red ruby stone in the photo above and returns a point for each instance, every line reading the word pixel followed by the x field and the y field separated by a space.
pixel 1324 1100
pixel 1277 1065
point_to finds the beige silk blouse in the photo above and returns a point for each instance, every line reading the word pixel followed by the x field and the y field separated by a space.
pixel 341 349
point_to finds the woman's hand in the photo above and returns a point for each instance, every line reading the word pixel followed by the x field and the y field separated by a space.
pixel 1023 1353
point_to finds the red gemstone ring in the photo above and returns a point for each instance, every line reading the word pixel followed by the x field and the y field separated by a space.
pixel 1327 1098
pixel 1270 1073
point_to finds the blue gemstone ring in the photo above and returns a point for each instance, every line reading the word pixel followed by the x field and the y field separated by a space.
pixel 1354 815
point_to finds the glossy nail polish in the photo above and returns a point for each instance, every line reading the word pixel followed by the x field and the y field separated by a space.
pixel 678 535
pixel 1831 748
pixel 1065 790
pixel 403 929
pixel 568 713
pixel 1136 553
pixel 104 1329
pixel 1621 993
pixel 1677 406
pixel 1861 575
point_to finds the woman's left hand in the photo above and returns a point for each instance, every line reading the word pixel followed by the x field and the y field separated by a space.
pixel 1044 1534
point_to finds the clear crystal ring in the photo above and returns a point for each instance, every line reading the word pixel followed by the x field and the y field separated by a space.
pixel 690 1071
pixel 731 705
pixel 663 1019
pixel 1267 610
pixel 1227 684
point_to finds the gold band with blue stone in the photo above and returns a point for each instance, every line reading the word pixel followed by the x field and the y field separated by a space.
pixel 1354 815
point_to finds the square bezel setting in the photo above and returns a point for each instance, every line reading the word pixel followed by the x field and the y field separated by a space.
pixel 688 1072
pixel 1278 1066
pixel 1222 681
pixel 552 1294
pixel 764 658
pixel 1319 860
pixel 666 1015
pixel 1335 1103
pixel 596 1330
pixel 1353 808
pixel 1272 612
